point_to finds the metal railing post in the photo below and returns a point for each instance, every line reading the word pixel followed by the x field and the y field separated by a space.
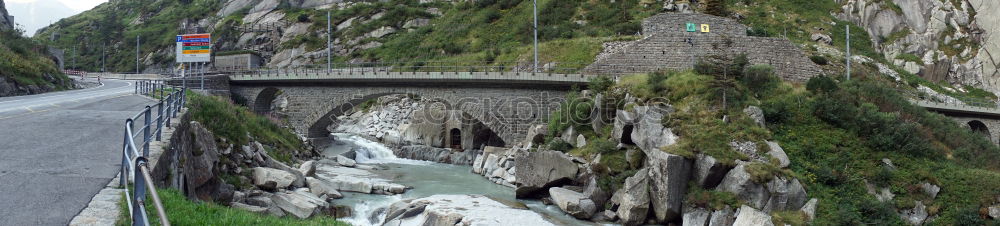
pixel 170 109
pixel 146 135
pixel 159 119
pixel 139 194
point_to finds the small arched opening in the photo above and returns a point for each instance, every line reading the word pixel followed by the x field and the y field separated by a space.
pixel 455 136
pixel 262 104
pixel 627 135
pixel 979 127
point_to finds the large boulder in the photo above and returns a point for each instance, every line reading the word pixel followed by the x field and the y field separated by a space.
pixel 723 217
pixel 755 114
pixel 541 170
pixel 748 216
pixel 809 209
pixel 784 194
pixel 776 152
pixel 299 203
pixel 573 203
pixel 668 179
pixel 321 187
pixel 271 179
pixel 633 199
pixel 707 171
pixel 695 217
pixel 450 210
pixel 738 182
pixel 915 216
pixel 649 133
pixel 536 135
pixel 994 211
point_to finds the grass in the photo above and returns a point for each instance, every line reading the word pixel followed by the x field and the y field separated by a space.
pixel 25 62
pixel 234 122
pixel 182 211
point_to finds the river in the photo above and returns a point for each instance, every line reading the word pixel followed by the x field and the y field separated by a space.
pixel 426 178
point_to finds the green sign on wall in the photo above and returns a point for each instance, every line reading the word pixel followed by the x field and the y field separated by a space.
pixel 691 27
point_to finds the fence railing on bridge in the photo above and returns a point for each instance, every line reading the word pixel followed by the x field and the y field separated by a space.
pixel 433 66
pixel 135 156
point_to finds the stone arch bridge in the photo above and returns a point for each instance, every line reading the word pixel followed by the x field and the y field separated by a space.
pixel 507 103
pixel 983 120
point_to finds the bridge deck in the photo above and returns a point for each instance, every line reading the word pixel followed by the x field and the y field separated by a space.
pixel 381 76
pixel 955 108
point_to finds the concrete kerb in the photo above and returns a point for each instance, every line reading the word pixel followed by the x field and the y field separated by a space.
pixel 103 207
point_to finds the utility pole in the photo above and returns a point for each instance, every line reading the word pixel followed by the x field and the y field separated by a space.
pixel 535 12
pixel 137 54
pixel 848 47
pixel 328 30
pixel 104 52
pixel 73 59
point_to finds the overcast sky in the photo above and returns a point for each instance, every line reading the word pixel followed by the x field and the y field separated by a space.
pixel 35 14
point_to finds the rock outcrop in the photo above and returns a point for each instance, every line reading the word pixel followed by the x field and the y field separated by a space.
pixel 497 165
pixel 5 22
pixel 441 155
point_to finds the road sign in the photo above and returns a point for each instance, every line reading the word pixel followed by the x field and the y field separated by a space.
pixel 194 48
pixel 691 27
pixel 705 28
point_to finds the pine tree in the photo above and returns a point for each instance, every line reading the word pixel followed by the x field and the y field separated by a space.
pixel 716 7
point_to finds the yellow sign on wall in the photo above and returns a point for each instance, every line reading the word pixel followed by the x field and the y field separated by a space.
pixel 705 28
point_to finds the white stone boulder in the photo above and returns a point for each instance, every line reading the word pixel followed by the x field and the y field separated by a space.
pixel 321 187
pixel 748 216
pixel 707 171
pixel 540 170
pixel 345 161
pixel 573 203
pixel 668 179
pixel 299 203
pixel 649 133
pixel 695 217
pixel 738 182
pixel 271 179
pixel 723 217
pixel 810 209
pixel 633 199
pixel 778 153
pixel 461 210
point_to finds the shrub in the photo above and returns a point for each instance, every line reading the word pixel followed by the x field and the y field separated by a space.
pixel 821 85
pixel 601 83
pixel 760 78
pixel 821 60
pixel 722 65
pixel 600 145
pixel 758 32
pixel 716 7
pixel 559 145
pixel 763 172
pixel 655 81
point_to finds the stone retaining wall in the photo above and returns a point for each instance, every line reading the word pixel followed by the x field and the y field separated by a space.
pixel 677 23
pixel 681 50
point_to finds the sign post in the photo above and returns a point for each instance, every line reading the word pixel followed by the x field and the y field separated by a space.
pixel 194 48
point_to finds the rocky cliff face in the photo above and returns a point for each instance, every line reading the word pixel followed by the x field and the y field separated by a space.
pixel 939 40
pixel 5 22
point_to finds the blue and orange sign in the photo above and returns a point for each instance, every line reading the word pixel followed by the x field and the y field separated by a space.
pixel 194 48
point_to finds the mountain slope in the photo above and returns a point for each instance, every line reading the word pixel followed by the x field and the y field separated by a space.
pixel 25 67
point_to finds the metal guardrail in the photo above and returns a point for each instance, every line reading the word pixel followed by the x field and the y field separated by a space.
pixel 135 163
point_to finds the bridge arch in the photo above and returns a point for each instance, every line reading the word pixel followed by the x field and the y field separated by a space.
pixel 460 129
pixel 979 127
pixel 262 103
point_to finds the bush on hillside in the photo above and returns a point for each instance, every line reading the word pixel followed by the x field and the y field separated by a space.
pixel 760 78
pixel 819 60
pixel 600 84
pixel 821 85
pixel 722 65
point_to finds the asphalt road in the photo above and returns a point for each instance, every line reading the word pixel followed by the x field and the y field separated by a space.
pixel 57 150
